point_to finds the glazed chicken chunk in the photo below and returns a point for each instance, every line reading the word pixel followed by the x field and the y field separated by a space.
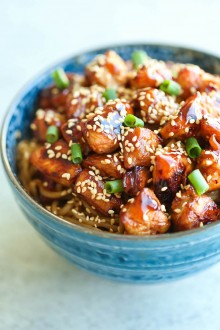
pixel 210 126
pixel 138 145
pixel 107 70
pixel 151 74
pixel 102 129
pixel 209 165
pixel 154 106
pixel 135 180
pixel 54 162
pixel 192 211
pixel 56 98
pixel 72 132
pixel 171 167
pixel 188 121
pixel 90 186
pixel 192 79
pixel 143 215
pixel 83 101
pixel 44 119
pixel 109 165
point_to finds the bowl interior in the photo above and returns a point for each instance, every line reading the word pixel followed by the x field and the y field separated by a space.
pixel 21 111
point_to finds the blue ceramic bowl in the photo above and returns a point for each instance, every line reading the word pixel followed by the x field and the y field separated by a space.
pixel 125 258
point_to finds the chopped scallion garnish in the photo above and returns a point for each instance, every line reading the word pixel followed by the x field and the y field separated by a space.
pixel 113 187
pixel 193 148
pixel 198 181
pixel 138 58
pixel 170 87
pixel 60 78
pixel 110 94
pixel 76 153
pixel 133 121
pixel 52 134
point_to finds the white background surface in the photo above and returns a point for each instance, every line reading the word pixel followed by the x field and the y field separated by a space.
pixel 38 289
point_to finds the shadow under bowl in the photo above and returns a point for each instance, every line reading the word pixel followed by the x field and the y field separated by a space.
pixel 119 257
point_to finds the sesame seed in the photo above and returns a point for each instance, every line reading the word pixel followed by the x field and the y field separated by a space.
pixel 51 155
pixel 47 145
pixel 66 176
pixel 58 155
pixel 177 211
pixel 129 160
pixel 33 126
pixel 40 114
pixel 178 194
pixel 74 101
pixel 164 189
pixel 209 177
pixel 141 97
pixel 58 148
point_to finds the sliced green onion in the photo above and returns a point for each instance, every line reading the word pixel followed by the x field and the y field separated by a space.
pixel 60 78
pixel 76 153
pixel 193 149
pixel 138 58
pixel 133 121
pixel 52 134
pixel 198 181
pixel 110 94
pixel 113 187
pixel 170 87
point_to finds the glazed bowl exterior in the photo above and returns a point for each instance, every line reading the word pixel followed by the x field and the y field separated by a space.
pixel 119 257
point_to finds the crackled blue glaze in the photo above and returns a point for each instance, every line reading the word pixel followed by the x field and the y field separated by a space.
pixel 134 259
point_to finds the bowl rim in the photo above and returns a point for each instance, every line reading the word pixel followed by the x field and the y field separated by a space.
pixel 38 207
